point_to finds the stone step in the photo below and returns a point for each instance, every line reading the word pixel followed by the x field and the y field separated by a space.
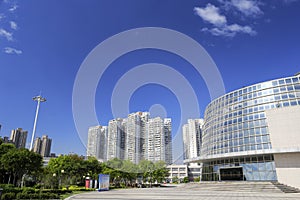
pixel 285 188
pixel 241 186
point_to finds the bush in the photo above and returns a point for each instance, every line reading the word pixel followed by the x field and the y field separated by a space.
pixel 12 190
pixel 28 190
pixel 56 191
pixel 4 186
pixel 37 196
pixel 186 180
pixel 8 196
pixel 197 179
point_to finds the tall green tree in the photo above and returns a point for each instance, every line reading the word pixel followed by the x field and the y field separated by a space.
pixel 146 169
pixel 160 171
pixel 4 148
pixel 20 162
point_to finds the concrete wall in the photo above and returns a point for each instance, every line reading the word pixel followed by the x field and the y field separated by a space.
pixel 288 168
pixel 284 128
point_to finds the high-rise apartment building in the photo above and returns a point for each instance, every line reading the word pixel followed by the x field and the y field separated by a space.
pixel 155 140
pixel 135 138
pixel 168 140
pixel 116 138
pixel 46 146
pixel 192 137
pixel 97 137
pixel 159 140
pixel 19 137
pixel 37 145
pixel 42 146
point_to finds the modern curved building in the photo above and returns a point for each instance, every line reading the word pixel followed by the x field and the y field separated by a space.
pixel 249 132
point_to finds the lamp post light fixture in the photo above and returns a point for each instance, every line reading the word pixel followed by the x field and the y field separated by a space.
pixel 39 99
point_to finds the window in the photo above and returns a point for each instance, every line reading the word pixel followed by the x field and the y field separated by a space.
pixel 288 81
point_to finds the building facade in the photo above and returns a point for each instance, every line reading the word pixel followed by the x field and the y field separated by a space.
pixel 236 140
pixel 135 147
pixel 116 139
pixel 192 138
pixel 135 138
pixel 177 173
pixel 159 140
pixel 42 146
pixel 19 137
pixel 97 137
pixel 168 141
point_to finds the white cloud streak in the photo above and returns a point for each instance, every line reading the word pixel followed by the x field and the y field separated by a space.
pixel 13 8
pixel 6 34
pixel 211 14
pixel 230 30
pixel 10 50
pixel 247 7
pixel 13 25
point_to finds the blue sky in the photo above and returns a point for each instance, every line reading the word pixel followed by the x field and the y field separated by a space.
pixel 43 44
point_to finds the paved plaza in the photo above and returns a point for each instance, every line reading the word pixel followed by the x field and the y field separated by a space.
pixel 202 191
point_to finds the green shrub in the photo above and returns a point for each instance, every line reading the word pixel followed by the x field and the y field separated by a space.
pixel 49 196
pixel 14 190
pixel 8 196
pixel 56 191
pixel 197 179
pixel 4 186
pixel 28 190
pixel 37 196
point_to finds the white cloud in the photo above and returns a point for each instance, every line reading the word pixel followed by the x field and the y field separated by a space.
pixel 13 25
pixel 10 50
pixel 211 14
pixel 247 7
pixel 6 34
pixel 230 30
pixel 13 8
pixel 220 27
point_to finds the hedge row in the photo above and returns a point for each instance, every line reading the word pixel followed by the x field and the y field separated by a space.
pixel 10 196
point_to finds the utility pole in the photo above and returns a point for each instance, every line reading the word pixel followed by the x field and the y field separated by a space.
pixel 39 99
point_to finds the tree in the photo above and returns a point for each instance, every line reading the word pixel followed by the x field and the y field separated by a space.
pixel 92 167
pixel 129 171
pixel 4 148
pixel 146 169
pixel 67 168
pixel 114 169
pixel 160 171
pixel 18 162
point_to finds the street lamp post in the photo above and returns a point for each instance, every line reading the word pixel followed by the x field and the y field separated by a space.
pixel 39 99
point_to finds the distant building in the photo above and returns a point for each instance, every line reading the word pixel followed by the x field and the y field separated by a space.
pixel 168 141
pixel 37 145
pixel 42 146
pixel 177 172
pixel 192 137
pixel 6 140
pixel 97 140
pixel 19 137
pixel 116 139
pixel 136 138
pixel 158 140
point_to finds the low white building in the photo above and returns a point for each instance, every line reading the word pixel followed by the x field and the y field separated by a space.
pixel 177 172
